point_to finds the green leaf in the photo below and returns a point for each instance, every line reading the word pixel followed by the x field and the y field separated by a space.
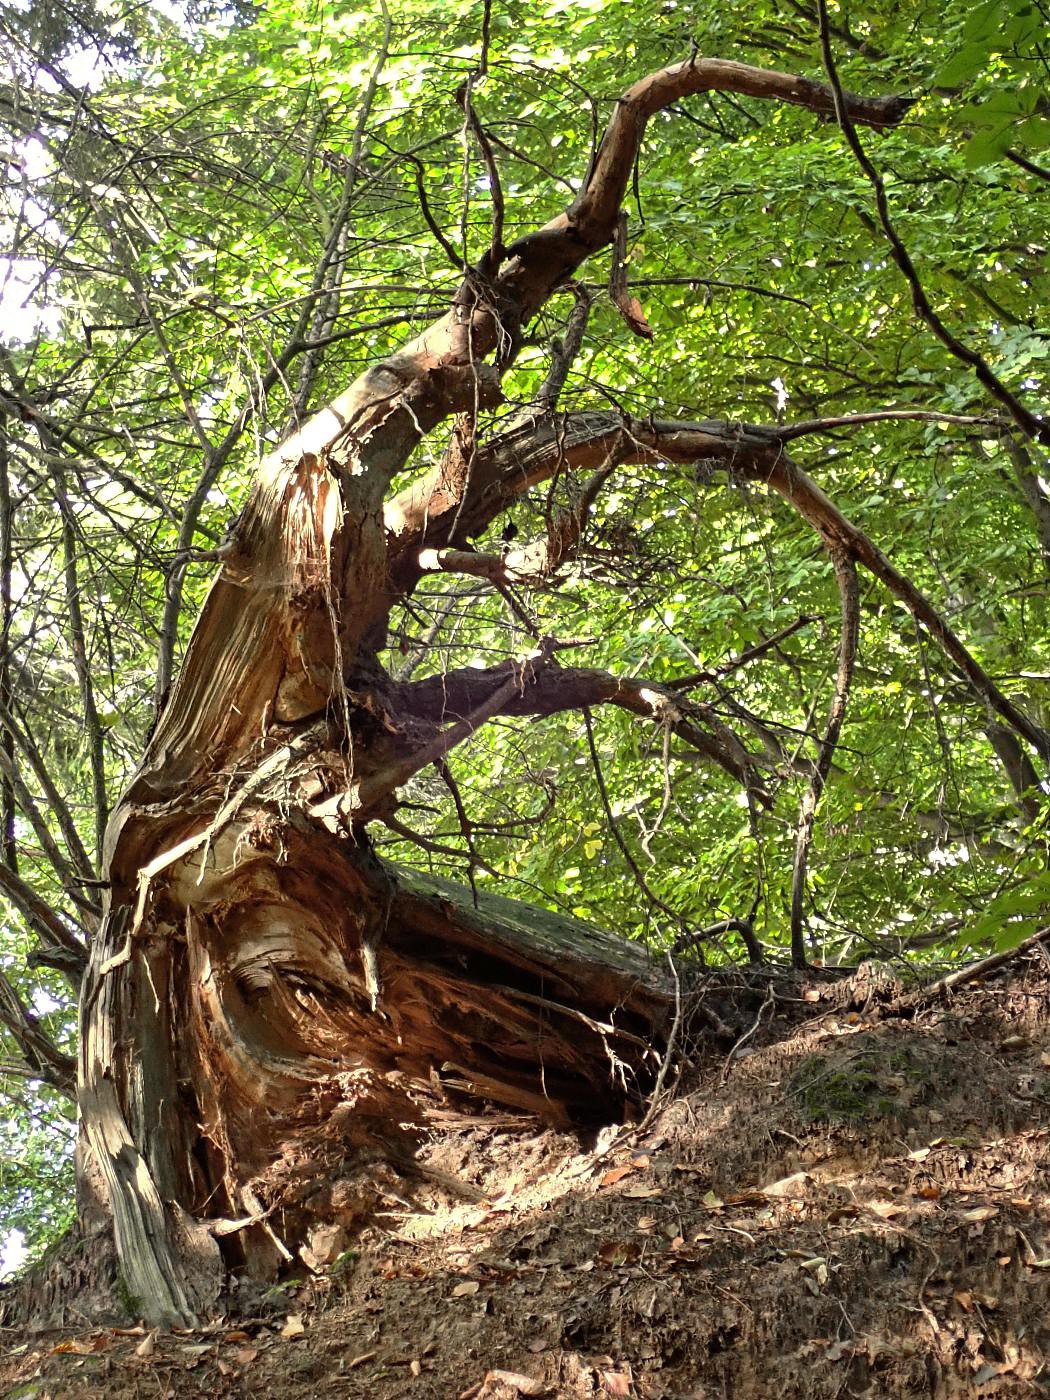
pixel 966 64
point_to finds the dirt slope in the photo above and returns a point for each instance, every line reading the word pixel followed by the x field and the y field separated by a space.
pixel 860 1207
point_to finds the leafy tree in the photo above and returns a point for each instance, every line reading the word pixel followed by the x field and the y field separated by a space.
pixel 652 524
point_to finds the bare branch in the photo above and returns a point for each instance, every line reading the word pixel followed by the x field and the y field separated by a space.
pixel 21 735
pixel 515 678
pixel 559 688
pixel 24 799
pixel 614 826
pixel 1039 171
pixel 39 915
pixel 8 846
pixel 846 577
pixel 326 306
pixel 82 660
pixel 745 658
pixel 491 170
pixel 535 562
pixel 42 1057
pixel 791 431
pixel 583 441
pixel 543 260
pixel 1030 424
pixel 564 352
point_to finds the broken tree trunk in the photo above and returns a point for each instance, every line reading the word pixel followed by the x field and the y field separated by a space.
pixel 267 1004
pixel 297 1006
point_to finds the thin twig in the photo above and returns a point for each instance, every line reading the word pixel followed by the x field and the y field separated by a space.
pixel 656 1097
pixel 1029 423
pixel 768 1002
pixel 614 827
pixel 846 576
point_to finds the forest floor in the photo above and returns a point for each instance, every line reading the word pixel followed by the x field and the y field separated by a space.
pixel 855 1205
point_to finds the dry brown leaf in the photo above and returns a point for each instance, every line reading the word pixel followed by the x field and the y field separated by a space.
pixel 75 1346
pixel 615 1174
pixel 616 1252
pixel 244 1356
pixel 787 1186
pixel 885 1210
pixel 642 1193
pixel 630 308
pixel 616 1383
pixel 293 1326
pixel 846 1211
pixel 930 1192
pixel 197 1349
pixel 416 1368
pixel 979 1213
pixel 466 1289
pixel 525 1385
pixel 147 1346
pixel 964 1298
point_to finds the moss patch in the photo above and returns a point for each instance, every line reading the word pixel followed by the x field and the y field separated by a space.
pixel 866 1084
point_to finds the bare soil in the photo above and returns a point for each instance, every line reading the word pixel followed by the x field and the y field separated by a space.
pixel 857 1205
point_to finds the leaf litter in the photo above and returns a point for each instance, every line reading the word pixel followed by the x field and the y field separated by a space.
pixel 751 1244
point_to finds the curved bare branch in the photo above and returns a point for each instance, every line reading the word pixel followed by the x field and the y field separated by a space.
pixel 556 689
pixel 587 441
